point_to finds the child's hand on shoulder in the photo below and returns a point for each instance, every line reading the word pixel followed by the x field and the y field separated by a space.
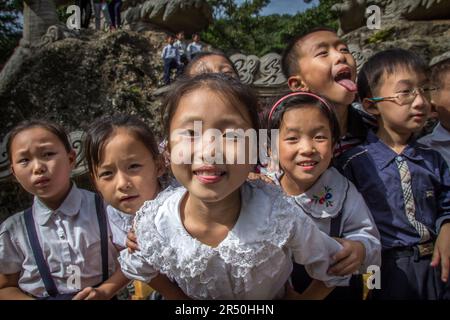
pixel 90 293
pixel 349 259
pixel 442 251
pixel 259 176
pixel 132 241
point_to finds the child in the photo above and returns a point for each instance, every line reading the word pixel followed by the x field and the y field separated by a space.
pixel 171 59
pixel 124 164
pixel 320 62
pixel 439 139
pixel 194 47
pixel 308 130
pixel 61 244
pixel 180 44
pixel 210 62
pixel 218 236
pixel 405 184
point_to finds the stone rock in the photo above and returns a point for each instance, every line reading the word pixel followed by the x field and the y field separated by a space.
pixel 173 15
pixel 76 80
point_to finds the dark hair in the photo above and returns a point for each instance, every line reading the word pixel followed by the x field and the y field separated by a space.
pixel 438 72
pixel 54 128
pixel 290 56
pixel 203 54
pixel 228 87
pixel 102 129
pixel 388 61
pixel 300 101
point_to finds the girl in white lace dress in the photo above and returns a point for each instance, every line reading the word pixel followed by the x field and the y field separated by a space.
pixel 308 132
pixel 219 236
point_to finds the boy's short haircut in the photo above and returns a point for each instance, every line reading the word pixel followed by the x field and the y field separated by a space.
pixel 386 61
pixel 438 72
pixel 290 57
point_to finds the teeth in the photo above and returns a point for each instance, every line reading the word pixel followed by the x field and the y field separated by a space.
pixel 209 173
pixel 307 164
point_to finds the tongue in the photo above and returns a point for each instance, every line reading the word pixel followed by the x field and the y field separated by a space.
pixel 348 84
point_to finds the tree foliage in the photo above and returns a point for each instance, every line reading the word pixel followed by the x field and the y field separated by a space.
pixel 242 28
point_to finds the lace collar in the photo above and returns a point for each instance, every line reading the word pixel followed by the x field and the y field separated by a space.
pixel 326 197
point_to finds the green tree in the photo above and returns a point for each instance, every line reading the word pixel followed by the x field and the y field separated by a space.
pixel 10 28
pixel 242 28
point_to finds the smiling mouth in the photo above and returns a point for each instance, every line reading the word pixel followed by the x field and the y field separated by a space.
pixel 344 78
pixel 307 165
pixel 209 176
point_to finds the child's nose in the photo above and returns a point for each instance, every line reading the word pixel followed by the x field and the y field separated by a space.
pixel 306 147
pixel 421 101
pixel 339 56
pixel 39 167
pixel 123 181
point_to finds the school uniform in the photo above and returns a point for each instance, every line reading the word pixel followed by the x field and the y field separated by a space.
pixel 359 123
pixel 171 59
pixel 409 197
pixel 192 49
pixel 59 252
pixel 439 140
pixel 339 210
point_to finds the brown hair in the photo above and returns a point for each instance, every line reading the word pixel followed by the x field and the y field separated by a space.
pixel 102 129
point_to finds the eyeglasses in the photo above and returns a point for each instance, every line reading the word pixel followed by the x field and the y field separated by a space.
pixel 407 96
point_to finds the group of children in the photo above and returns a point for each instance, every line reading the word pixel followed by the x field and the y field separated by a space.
pixel 348 188
pixel 177 54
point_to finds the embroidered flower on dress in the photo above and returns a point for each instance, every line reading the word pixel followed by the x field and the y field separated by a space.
pixel 323 197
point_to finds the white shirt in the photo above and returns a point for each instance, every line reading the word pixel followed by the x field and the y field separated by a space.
pixel 254 261
pixel 181 46
pixel 69 238
pixel 120 223
pixel 438 140
pixel 193 48
pixel 332 194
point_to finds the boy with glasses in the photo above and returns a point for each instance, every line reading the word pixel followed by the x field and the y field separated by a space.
pixel 405 184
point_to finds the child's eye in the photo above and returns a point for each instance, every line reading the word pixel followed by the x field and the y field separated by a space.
pixel 322 53
pixel 135 166
pixel 407 91
pixel 190 133
pixel 290 139
pixel 232 135
pixel 105 174
pixel 49 154
pixel 321 137
pixel 344 49
pixel 23 161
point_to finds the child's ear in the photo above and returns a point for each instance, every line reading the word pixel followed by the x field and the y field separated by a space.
pixel 296 83
pixel 12 171
pixel 160 166
pixel 72 157
pixel 370 107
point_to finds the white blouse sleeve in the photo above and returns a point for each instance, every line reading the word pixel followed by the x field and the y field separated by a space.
pixel 11 257
pixel 135 267
pixel 315 250
pixel 358 225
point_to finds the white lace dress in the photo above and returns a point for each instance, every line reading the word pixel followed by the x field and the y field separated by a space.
pixel 254 261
